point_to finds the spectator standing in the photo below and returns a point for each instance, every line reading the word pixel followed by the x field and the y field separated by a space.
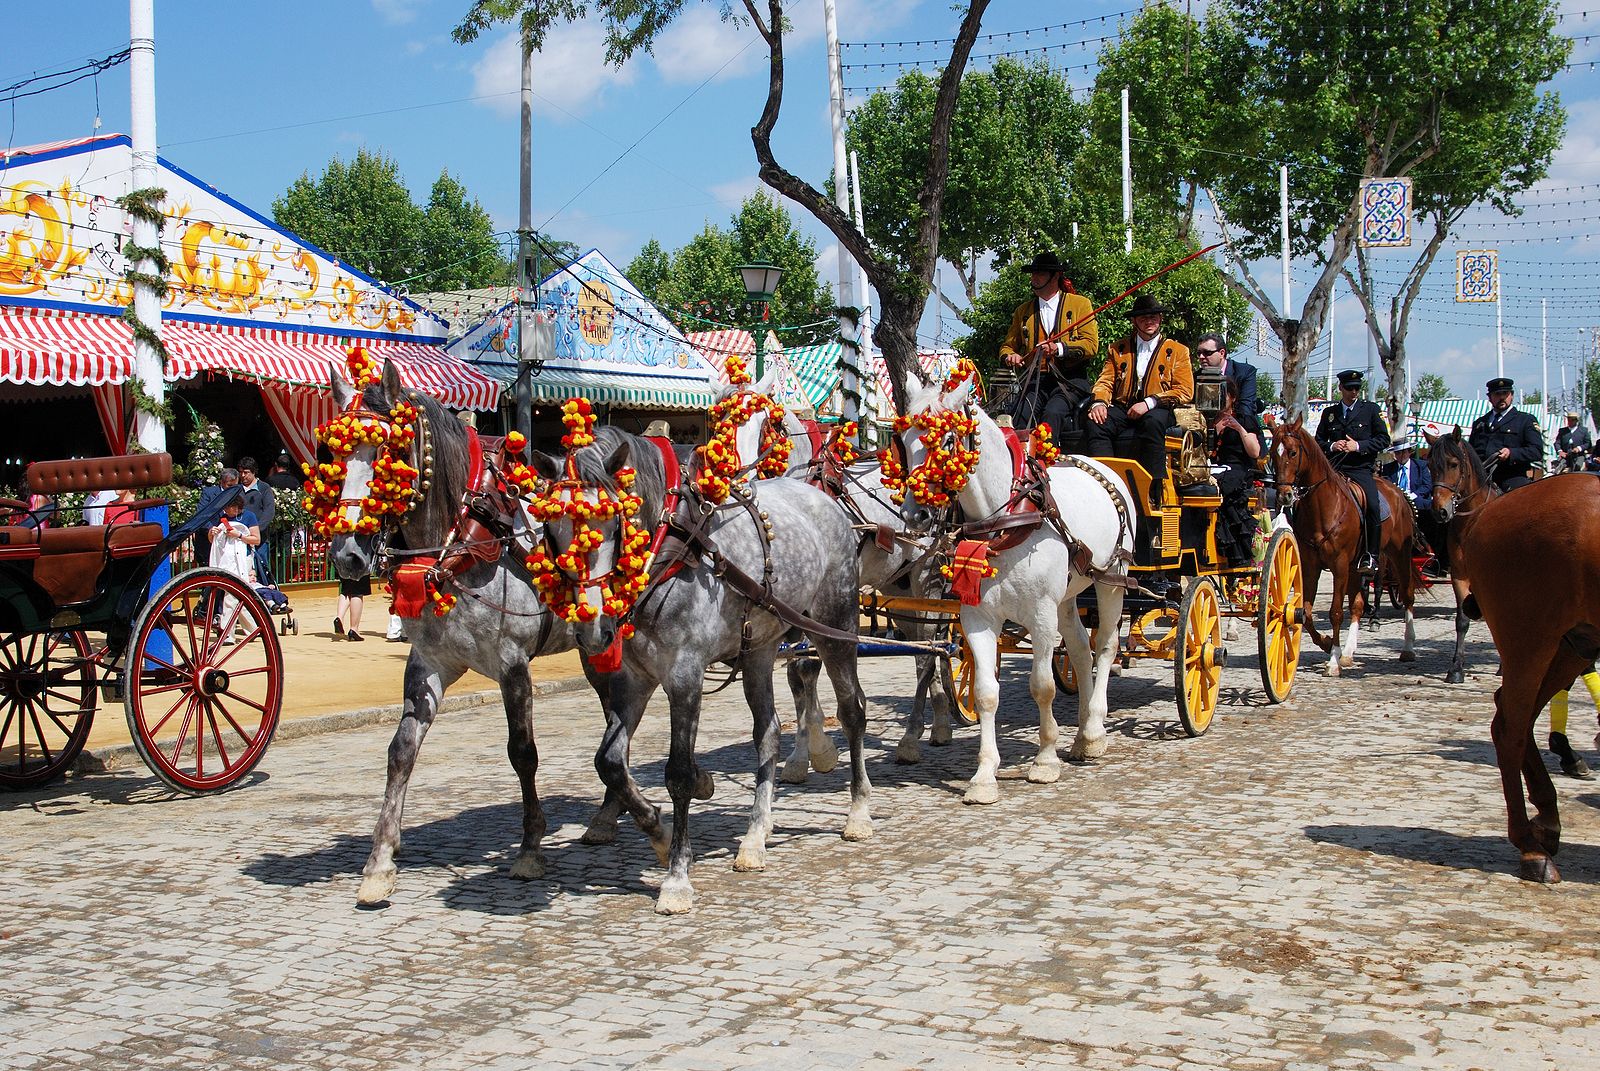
pixel 283 475
pixel 258 500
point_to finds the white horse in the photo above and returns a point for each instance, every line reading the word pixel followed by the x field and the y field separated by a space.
pixel 1036 585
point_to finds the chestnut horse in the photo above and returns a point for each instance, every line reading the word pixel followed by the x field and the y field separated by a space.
pixel 1530 554
pixel 1461 487
pixel 1327 525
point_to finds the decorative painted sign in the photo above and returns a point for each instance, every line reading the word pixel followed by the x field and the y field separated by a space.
pixel 1385 212
pixel 1478 275
pixel 62 236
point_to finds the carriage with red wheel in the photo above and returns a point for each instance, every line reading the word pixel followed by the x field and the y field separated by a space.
pixel 195 663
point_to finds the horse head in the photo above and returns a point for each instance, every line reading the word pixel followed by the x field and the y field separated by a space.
pixel 593 561
pixel 1457 474
pixel 937 439
pixel 752 430
pixel 1292 457
pixel 380 467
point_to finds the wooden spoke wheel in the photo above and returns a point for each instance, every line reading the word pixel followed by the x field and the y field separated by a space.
pixel 47 701
pixel 1280 615
pixel 1198 656
pixel 204 681
pixel 1061 664
pixel 964 690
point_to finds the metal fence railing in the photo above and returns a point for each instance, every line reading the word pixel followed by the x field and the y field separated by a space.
pixel 293 557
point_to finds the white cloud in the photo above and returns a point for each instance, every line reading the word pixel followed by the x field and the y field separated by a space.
pixel 570 74
pixel 858 19
pixel 698 43
pixel 735 192
pixel 397 12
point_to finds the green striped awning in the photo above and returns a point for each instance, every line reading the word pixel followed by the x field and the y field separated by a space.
pixel 638 392
pixel 813 371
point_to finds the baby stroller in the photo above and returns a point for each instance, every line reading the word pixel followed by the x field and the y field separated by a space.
pixel 278 606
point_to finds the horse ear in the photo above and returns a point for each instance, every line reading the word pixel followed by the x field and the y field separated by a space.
pixel 619 457
pixel 392 387
pixel 546 466
pixel 957 399
pixel 342 391
pixel 1430 436
pixel 765 384
pixel 1455 433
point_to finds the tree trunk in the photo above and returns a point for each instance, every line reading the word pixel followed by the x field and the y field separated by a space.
pixel 1398 381
pixel 896 336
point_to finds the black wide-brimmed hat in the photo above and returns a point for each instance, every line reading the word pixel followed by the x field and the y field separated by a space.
pixel 1497 384
pixel 1146 305
pixel 1046 261
pixel 1351 377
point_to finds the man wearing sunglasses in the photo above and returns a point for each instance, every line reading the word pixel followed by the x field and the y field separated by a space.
pixel 1353 434
pixel 1507 440
pixel 1213 353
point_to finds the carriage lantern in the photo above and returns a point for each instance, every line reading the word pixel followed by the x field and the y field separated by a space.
pixel 1209 398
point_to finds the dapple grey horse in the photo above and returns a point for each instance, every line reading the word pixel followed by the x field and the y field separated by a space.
pixel 497 625
pixel 694 619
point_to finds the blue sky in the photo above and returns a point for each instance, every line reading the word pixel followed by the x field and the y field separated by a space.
pixel 252 95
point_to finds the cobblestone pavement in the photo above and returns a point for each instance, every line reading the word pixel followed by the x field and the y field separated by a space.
pixel 1322 884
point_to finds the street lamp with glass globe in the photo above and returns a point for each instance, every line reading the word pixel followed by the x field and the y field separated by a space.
pixel 760 284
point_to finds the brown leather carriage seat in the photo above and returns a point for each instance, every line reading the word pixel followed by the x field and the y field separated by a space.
pixel 99 473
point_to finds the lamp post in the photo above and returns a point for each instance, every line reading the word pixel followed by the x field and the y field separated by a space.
pixel 1414 407
pixel 760 283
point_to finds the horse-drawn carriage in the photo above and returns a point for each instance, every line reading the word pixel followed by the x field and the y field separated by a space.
pixel 196 664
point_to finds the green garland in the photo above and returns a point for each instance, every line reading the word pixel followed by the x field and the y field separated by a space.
pixel 145 206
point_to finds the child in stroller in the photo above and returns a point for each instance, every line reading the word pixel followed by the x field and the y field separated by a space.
pixel 277 604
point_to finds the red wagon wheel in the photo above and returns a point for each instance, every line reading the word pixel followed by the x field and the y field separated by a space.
pixel 205 681
pixel 46 705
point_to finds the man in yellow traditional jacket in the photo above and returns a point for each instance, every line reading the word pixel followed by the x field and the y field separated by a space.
pixel 1054 331
pixel 1145 377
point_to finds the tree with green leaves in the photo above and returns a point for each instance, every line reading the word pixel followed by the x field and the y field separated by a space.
pixel 363 214
pixel 1430 387
pixel 903 279
pixel 1345 90
pixel 700 287
pixel 1015 133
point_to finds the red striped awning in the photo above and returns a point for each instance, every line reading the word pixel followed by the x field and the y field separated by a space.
pixel 87 350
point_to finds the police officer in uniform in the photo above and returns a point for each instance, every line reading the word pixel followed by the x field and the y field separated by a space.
pixel 1353 434
pixel 1055 331
pixel 1507 440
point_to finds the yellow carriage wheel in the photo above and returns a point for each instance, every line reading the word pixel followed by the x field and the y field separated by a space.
pixel 1061 664
pixel 964 692
pixel 1280 615
pixel 1198 656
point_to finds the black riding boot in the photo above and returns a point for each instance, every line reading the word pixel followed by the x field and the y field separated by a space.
pixel 1572 763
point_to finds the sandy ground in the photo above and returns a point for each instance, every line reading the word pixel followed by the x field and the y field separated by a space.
pixel 325 676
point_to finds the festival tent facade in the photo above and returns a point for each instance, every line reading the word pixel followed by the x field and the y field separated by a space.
pixel 247 301
pixel 601 339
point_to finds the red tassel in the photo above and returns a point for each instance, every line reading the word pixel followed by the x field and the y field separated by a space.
pixel 609 660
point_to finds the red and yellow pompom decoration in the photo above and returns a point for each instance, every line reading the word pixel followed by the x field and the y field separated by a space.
pixel 442 602
pixel 950 569
pixel 364 370
pixel 738 374
pixel 578 416
pixel 561 579
pixel 945 470
pixel 717 462
pixel 1042 446
pixel 392 490
pixel 963 371
pixel 841 444
pixel 518 473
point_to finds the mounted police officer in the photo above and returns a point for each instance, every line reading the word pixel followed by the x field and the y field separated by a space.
pixel 1353 434
pixel 1507 440
pixel 1053 330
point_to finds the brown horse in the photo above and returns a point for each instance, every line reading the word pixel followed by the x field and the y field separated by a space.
pixel 1536 584
pixel 1327 525
pixel 1461 487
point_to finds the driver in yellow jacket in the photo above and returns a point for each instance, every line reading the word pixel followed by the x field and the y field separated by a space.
pixel 1055 331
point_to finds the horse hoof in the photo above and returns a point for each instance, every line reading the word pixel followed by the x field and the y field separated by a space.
pixel 376 888
pixel 1086 749
pixel 1044 773
pixel 941 736
pixel 752 856
pixel 795 772
pixel 857 829
pixel 907 753
pixel 704 786
pixel 599 833
pixel 1346 662
pixel 982 794
pixel 1333 667
pixel 1539 868
pixel 825 761
pixel 1455 676
pixel 528 867
pixel 1408 656
pixel 675 898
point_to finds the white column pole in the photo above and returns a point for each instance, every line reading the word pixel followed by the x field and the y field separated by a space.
pixel 1544 356
pixel 867 379
pixel 150 432
pixel 850 332
pixel 1127 179
pixel 525 276
pixel 1283 215
pixel 1499 329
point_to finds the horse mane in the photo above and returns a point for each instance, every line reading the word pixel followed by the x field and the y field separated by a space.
pixel 1309 447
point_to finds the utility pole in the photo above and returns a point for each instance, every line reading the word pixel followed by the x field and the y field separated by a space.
pixel 1499 329
pixel 525 282
pixel 1283 219
pixel 850 328
pixel 148 372
pixel 1544 356
pixel 868 381
pixel 1127 179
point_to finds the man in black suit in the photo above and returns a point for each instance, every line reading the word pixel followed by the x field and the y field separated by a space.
pixel 1213 353
pixel 1573 445
pixel 1507 440
pixel 1409 474
pixel 1353 433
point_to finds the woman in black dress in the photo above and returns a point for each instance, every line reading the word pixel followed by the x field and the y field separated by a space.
pixel 1238 447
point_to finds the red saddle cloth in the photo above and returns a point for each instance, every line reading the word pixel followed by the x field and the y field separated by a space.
pixel 969 568
pixel 408 588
